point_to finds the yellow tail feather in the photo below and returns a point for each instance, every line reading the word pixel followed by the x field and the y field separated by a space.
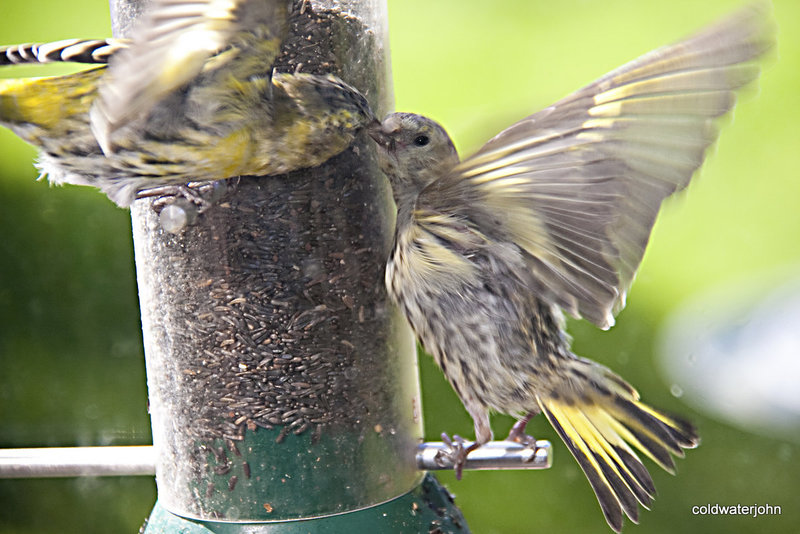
pixel 600 423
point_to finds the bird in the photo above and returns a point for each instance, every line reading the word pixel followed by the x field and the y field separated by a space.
pixel 191 96
pixel 551 217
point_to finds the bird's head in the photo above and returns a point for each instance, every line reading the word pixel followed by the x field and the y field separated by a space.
pixel 413 151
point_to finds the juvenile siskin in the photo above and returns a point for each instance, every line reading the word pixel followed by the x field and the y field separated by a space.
pixel 191 97
pixel 553 214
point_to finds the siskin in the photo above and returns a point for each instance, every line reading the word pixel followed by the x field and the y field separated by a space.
pixel 554 214
pixel 191 97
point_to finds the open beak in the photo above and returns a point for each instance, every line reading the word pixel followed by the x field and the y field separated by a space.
pixel 380 136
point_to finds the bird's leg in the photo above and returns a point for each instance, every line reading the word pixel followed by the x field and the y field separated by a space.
pixel 517 433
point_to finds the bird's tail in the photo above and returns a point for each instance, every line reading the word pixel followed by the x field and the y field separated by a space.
pixel 601 420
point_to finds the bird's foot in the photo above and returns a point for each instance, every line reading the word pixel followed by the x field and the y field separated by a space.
pixel 202 195
pixel 518 435
pixel 457 452
pixel 179 205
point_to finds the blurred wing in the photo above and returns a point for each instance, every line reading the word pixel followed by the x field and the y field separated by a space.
pixel 169 48
pixel 68 50
pixel 578 185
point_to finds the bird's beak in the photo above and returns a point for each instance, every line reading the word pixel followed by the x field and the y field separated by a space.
pixel 379 135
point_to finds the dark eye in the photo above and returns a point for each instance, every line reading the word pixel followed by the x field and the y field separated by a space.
pixel 421 140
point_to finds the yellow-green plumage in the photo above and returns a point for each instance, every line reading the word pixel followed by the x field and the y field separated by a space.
pixel 553 214
pixel 192 97
pixel 29 102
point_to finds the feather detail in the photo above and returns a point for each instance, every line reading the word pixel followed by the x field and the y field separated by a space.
pixel 578 185
pixel 601 420
pixel 171 46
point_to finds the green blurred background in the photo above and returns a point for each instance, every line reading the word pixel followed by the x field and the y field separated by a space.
pixel 71 364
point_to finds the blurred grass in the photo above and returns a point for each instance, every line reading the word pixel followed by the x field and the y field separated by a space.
pixel 71 368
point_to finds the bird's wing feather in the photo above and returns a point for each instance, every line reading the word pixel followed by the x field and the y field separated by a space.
pixel 169 48
pixel 578 185
pixel 67 50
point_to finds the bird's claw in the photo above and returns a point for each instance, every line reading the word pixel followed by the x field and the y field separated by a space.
pixel 201 195
pixel 456 454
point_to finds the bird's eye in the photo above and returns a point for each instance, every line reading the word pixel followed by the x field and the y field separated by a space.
pixel 421 140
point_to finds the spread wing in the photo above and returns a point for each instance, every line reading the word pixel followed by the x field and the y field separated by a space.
pixel 577 186
pixel 170 47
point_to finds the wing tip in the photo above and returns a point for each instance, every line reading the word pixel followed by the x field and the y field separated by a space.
pixel 101 126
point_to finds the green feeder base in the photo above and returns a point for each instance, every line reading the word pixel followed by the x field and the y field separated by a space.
pixel 428 508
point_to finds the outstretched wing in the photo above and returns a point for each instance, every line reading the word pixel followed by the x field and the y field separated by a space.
pixel 578 185
pixel 170 47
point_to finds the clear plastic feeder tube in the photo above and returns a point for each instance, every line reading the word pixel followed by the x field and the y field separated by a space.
pixel 282 382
